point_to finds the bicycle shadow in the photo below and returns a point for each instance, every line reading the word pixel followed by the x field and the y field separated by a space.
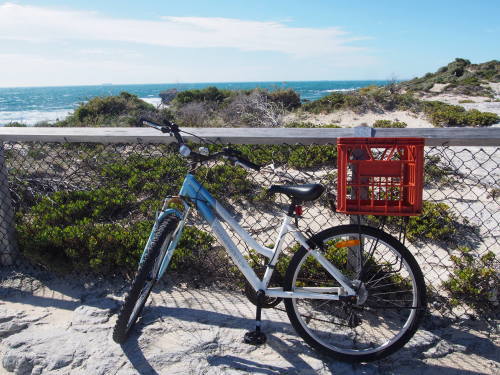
pixel 291 350
pixel 136 357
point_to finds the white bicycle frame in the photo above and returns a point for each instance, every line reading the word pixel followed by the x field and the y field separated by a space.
pixel 193 192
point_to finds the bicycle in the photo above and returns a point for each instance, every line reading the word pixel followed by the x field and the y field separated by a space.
pixel 352 292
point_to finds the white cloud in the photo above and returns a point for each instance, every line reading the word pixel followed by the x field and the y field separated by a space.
pixel 31 23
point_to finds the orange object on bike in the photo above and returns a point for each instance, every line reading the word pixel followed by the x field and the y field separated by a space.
pixel 348 243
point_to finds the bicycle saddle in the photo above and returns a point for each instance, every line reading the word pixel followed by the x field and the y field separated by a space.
pixel 306 192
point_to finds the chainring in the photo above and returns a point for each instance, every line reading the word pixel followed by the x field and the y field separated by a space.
pixel 268 302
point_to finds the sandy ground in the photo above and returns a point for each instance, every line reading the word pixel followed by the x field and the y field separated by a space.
pixel 61 327
pixel 352 119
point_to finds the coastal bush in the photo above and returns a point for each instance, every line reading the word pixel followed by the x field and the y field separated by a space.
pixel 478 118
pixel 329 103
pixel 296 156
pixel 437 223
pixel 474 281
pixel 209 94
pixel 252 109
pixel 437 173
pixel 371 98
pixel 154 176
pixel 85 244
pixel 104 230
pixel 443 115
pixel 15 124
pixel 194 114
pixel 225 180
pixel 389 124
pixel 193 250
pixel 288 98
pixel 123 109
pixel 460 77
pixel 72 230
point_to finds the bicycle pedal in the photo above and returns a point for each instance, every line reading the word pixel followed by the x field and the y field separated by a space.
pixel 254 338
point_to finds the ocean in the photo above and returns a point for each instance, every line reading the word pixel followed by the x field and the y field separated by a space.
pixel 30 105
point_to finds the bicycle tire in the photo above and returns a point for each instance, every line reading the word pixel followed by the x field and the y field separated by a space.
pixel 338 327
pixel 144 280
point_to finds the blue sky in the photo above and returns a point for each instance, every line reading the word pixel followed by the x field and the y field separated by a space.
pixel 55 42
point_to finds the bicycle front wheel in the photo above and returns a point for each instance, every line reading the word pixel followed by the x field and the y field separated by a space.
pixel 145 279
pixel 390 287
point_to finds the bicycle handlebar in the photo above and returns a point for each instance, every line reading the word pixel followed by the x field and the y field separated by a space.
pixel 233 155
pixel 168 127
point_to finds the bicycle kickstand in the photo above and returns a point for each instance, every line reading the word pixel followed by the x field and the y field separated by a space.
pixel 257 337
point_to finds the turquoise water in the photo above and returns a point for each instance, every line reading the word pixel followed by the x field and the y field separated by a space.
pixel 34 104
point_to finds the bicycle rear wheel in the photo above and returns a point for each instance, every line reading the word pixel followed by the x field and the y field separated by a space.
pixel 145 279
pixel 391 294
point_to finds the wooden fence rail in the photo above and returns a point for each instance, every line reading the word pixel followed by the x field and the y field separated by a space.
pixel 433 136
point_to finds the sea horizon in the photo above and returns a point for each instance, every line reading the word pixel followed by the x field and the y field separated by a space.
pixel 34 104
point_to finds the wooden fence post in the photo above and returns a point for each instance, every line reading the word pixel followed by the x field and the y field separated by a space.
pixel 8 245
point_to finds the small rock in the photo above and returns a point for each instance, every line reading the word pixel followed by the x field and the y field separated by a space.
pixel 89 315
pixel 20 364
pixel 9 328
pixel 442 349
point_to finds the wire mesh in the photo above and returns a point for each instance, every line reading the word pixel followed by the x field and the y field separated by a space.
pixel 88 208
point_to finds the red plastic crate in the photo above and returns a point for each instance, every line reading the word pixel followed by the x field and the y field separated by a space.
pixel 380 176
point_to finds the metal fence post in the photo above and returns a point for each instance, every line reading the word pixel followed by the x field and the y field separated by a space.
pixel 8 244
pixel 354 256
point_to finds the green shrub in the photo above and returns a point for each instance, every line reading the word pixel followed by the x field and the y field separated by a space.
pixel 192 251
pixel 15 124
pixel 225 181
pixel 91 231
pixel 120 110
pixel 286 97
pixel 372 98
pixel 389 124
pixel 477 118
pixel 435 172
pixel 329 103
pixel 474 281
pixel 209 94
pixel 294 156
pixel 437 223
pixel 72 230
pixel 442 114
pixel 466 101
pixel 141 174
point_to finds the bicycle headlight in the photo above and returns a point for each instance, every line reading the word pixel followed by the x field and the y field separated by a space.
pixel 184 151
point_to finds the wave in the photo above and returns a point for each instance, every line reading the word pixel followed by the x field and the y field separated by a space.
pixel 154 101
pixel 340 90
pixel 33 117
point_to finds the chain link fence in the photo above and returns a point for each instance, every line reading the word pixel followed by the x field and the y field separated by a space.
pixel 86 209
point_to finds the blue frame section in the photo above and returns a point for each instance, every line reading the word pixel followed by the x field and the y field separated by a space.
pixel 193 190
pixel 204 201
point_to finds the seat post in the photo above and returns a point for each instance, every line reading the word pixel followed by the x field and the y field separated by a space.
pixel 291 208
